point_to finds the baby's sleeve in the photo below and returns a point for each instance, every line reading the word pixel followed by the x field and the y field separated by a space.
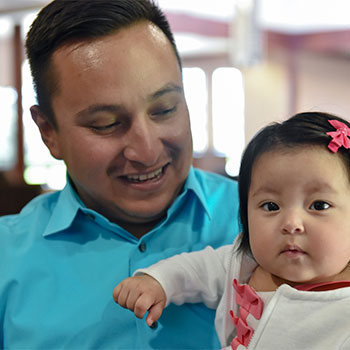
pixel 192 277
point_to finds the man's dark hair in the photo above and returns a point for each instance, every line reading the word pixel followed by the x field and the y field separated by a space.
pixel 302 130
pixel 63 21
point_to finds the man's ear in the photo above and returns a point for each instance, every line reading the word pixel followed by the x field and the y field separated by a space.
pixel 48 131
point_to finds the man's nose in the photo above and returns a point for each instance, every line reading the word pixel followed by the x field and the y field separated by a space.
pixel 292 222
pixel 143 144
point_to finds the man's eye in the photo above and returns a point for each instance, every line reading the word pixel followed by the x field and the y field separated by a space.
pixel 270 206
pixel 164 111
pixel 319 205
pixel 104 127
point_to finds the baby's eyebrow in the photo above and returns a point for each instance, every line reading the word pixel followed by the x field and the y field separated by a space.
pixel 320 186
pixel 263 190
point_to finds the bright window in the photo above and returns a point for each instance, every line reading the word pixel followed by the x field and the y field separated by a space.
pixel 41 167
pixel 195 87
pixel 8 143
pixel 228 116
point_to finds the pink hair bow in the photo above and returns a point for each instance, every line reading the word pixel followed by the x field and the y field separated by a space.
pixel 339 137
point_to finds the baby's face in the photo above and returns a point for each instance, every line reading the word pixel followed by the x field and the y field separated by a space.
pixel 299 215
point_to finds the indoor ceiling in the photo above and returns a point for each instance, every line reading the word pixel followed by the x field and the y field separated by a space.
pixel 8 6
pixel 284 15
pixel 209 25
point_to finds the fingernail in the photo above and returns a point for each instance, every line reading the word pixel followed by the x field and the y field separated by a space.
pixel 154 325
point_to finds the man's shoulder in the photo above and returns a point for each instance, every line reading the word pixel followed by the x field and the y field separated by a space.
pixel 36 212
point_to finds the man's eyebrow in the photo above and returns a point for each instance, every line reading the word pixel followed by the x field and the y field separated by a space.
pixel 115 108
pixel 95 108
pixel 165 90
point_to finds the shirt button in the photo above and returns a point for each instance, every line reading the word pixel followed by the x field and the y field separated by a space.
pixel 142 247
pixel 154 325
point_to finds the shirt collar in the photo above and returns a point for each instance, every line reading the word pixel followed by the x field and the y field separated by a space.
pixel 69 204
pixel 192 184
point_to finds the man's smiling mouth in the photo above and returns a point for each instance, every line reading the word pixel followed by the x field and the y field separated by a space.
pixel 154 175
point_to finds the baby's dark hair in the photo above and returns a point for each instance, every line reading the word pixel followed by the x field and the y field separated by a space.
pixel 303 129
pixel 62 22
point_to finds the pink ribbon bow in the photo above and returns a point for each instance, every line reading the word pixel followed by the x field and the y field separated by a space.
pixel 248 299
pixel 244 333
pixel 250 303
pixel 339 137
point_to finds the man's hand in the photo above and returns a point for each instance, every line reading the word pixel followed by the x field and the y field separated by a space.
pixel 141 294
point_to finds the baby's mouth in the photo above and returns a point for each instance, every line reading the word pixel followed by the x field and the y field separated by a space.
pixel 292 250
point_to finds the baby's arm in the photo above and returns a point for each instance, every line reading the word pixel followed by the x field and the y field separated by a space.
pixel 140 294
pixel 186 278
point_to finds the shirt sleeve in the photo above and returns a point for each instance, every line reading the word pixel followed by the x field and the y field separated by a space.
pixel 193 277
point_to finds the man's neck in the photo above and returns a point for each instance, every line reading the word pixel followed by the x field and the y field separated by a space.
pixel 138 229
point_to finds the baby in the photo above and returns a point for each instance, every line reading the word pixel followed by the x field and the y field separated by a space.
pixel 285 281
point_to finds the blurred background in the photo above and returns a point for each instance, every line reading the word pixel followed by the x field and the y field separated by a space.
pixel 246 63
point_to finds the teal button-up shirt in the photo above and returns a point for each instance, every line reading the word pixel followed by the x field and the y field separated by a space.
pixel 60 261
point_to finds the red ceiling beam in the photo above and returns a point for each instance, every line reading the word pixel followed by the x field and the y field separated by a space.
pixel 182 23
pixel 333 41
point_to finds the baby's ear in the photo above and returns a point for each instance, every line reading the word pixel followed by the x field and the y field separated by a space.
pixel 48 131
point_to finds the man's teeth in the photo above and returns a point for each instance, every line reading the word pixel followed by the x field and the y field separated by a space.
pixel 145 177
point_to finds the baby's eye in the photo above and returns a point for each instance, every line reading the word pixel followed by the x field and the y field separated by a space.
pixel 270 206
pixel 319 205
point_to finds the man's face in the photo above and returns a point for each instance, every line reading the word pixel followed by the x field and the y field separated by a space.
pixel 123 124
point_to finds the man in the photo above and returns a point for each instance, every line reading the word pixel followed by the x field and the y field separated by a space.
pixel 111 105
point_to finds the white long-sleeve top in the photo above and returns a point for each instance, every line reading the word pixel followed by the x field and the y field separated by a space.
pixel 292 320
